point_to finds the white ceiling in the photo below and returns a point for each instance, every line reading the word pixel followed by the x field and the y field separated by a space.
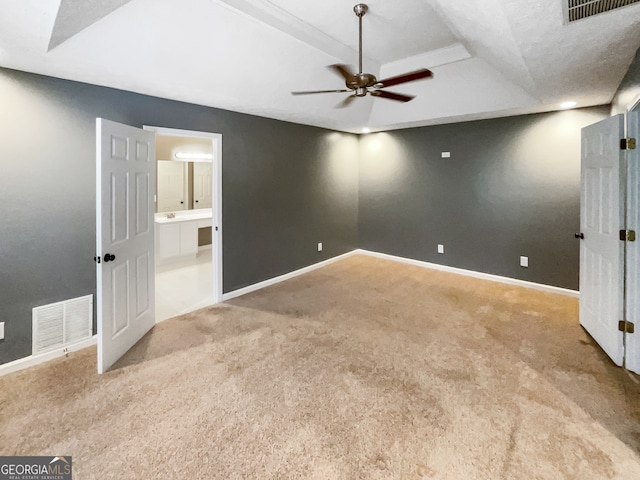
pixel 491 58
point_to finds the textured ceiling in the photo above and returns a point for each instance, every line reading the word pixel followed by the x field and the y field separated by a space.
pixel 490 58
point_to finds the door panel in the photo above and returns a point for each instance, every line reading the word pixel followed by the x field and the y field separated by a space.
pixel 171 186
pixel 202 183
pixel 120 298
pixel 124 210
pixel 143 185
pixel 119 200
pixel 601 253
pixel 142 287
pixel 632 350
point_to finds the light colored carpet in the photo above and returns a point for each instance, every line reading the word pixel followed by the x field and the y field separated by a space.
pixel 365 369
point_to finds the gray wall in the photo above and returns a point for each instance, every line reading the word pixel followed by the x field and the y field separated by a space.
pixel 629 90
pixel 510 188
pixel 285 188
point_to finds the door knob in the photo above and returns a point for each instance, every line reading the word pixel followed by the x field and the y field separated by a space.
pixel 579 235
pixel 108 257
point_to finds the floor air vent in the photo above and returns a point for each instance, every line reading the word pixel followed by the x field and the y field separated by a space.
pixel 579 9
pixel 60 324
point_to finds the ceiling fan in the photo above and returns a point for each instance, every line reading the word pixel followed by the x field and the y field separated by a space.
pixel 362 84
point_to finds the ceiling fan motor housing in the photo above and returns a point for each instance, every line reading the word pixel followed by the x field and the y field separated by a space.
pixel 361 80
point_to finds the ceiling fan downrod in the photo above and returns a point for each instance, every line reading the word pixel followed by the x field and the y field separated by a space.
pixel 360 9
pixel 362 84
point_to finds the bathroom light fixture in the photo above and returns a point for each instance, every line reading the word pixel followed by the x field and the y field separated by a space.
pixel 567 104
pixel 366 130
pixel 194 156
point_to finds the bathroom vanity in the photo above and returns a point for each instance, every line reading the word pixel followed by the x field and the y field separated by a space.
pixel 177 238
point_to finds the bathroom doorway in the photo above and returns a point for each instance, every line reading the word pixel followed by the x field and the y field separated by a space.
pixel 188 221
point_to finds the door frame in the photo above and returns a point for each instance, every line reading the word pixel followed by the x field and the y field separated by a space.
pixel 631 254
pixel 216 193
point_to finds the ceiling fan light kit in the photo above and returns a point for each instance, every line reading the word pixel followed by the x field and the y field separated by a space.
pixel 360 84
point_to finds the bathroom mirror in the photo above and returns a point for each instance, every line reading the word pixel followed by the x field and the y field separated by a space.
pixel 183 173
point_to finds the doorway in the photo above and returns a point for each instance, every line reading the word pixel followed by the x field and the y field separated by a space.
pixel 126 240
pixel 188 247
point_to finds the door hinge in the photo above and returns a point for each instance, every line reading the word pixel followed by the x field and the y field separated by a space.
pixel 626 327
pixel 96 259
pixel 628 235
pixel 628 143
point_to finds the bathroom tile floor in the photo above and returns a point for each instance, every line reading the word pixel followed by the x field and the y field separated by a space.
pixel 184 286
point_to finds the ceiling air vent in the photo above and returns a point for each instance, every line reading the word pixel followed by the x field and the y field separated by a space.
pixel 579 9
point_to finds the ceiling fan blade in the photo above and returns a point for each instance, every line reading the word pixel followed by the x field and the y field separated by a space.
pixel 343 70
pixel 399 97
pixel 346 102
pixel 319 91
pixel 404 78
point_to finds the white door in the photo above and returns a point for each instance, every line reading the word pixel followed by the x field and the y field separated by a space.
pixel 202 184
pixel 125 211
pixel 632 341
pixel 171 186
pixel 601 251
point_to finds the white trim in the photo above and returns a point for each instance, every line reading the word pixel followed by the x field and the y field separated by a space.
pixel 33 360
pixel 471 273
pixel 216 189
pixel 176 132
pixel 286 276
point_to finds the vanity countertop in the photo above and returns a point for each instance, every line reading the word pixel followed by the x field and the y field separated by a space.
pixel 185 216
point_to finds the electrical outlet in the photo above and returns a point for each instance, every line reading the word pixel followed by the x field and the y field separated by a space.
pixel 440 248
pixel 524 262
pixel 320 246
pixel 446 154
pixel 1 330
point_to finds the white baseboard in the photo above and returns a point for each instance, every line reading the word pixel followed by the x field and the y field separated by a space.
pixel 419 263
pixel 471 273
pixel 286 276
pixel 32 360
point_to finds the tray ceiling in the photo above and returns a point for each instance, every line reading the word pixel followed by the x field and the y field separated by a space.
pixel 491 58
